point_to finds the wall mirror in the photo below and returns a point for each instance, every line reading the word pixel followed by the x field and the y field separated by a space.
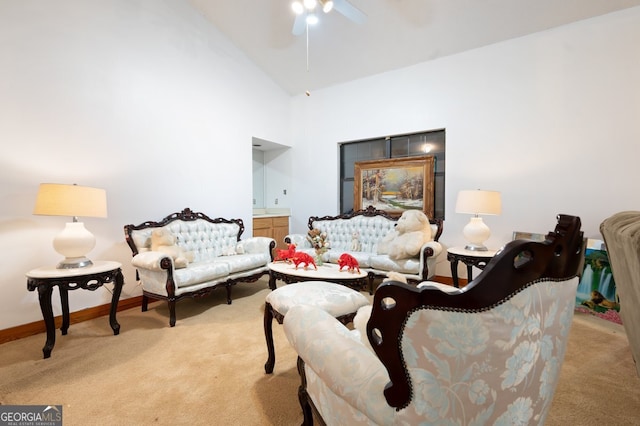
pixel 271 174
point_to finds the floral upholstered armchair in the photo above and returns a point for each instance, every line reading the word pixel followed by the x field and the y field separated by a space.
pixel 489 353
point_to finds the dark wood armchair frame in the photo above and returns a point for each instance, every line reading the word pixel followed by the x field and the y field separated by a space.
pixel 517 265
pixel 185 215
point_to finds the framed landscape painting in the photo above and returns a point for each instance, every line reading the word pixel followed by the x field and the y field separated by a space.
pixel 395 185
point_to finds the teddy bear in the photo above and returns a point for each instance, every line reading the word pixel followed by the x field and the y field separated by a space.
pixel 395 276
pixel 411 232
pixel 360 324
pixel 233 250
pixel 355 241
pixel 165 242
pixel 364 313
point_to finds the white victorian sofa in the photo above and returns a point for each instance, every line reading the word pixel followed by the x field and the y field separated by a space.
pixel 489 353
pixel 220 257
pixel 371 225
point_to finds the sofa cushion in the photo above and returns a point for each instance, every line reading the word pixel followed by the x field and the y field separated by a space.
pixel 405 266
pixel 243 262
pixel 199 272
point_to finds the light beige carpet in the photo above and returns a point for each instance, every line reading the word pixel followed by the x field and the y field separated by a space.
pixel 209 369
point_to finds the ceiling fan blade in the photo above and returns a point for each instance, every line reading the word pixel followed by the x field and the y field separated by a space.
pixel 350 11
pixel 299 25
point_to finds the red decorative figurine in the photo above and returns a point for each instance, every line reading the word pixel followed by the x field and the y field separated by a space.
pixel 286 255
pixel 300 258
pixel 349 261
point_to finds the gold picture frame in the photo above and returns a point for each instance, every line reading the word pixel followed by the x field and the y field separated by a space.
pixel 519 235
pixel 395 185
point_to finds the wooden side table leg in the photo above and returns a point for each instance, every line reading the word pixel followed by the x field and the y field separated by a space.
pixel 268 334
pixel 469 273
pixel 115 297
pixel 454 273
pixel 44 296
pixel 64 301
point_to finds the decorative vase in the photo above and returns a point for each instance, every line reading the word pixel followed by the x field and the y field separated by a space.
pixel 318 257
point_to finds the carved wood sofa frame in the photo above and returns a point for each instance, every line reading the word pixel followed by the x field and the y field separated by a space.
pixel 371 211
pixel 166 263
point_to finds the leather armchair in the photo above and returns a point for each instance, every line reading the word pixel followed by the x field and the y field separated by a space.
pixel 488 353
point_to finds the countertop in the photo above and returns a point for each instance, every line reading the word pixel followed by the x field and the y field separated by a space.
pixel 272 212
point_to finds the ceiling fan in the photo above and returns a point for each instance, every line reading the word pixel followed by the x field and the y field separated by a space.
pixel 305 11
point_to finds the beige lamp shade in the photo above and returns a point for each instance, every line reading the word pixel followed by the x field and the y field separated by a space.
pixel 75 241
pixel 477 202
pixel 55 199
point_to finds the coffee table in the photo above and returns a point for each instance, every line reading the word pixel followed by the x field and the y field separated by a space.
pixel 330 272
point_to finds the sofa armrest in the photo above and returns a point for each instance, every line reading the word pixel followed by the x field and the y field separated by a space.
pixel 430 246
pixel 258 244
pixel 152 260
pixel 439 286
pixel 320 340
pixel 428 255
pixel 300 240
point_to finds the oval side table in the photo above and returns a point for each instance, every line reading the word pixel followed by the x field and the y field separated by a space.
pixel 479 259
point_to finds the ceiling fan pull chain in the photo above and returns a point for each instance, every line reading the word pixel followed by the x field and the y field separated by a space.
pixel 307 47
pixel 307 27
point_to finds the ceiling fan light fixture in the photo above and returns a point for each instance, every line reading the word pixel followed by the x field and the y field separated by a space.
pixel 312 18
pixel 297 7
pixel 327 5
pixel 310 4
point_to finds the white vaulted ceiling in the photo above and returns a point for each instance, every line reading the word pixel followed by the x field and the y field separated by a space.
pixel 396 34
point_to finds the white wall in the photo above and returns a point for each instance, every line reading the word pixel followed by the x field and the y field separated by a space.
pixel 550 120
pixel 258 179
pixel 277 165
pixel 144 98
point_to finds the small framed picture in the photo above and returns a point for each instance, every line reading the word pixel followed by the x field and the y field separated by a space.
pixel 518 235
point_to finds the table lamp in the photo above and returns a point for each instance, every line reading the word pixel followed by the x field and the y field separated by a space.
pixel 477 202
pixel 74 242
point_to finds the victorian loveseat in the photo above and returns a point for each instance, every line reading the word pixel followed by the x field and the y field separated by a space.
pixel 359 233
pixel 220 257
pixel 489 353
